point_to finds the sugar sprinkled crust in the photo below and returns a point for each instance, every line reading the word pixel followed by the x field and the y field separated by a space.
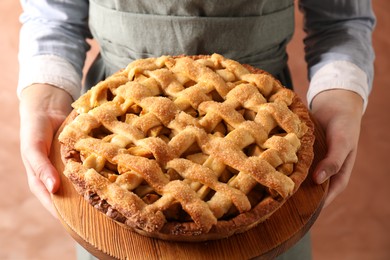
pixel 188 148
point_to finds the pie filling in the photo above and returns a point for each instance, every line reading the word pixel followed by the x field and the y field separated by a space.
pixel 194 141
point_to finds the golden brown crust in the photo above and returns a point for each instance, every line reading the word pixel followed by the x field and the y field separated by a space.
pixel 160 136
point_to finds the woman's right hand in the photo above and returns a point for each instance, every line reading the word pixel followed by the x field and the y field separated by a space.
pixel 42 110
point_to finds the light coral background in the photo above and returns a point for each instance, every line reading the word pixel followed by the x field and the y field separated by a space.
pixel 356 226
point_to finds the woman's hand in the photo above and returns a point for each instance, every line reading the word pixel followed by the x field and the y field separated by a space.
pixel 42 110
pixel 339 112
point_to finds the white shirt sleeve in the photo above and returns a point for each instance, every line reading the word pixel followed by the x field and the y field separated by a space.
pixel 59 73
pixel 52 45
pixel 339 75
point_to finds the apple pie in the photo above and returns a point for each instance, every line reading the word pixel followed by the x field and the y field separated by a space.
pixel 188 148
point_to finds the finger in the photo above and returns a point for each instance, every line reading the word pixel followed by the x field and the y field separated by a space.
pixel 339 182
pixel 40 191
pixel 338 151
pixel 35 151
pixel 38 165
pixel 43 180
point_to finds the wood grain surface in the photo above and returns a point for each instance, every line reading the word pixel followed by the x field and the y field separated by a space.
pixel 106 239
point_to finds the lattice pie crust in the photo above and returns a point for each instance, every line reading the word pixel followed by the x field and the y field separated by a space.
pixel 188 148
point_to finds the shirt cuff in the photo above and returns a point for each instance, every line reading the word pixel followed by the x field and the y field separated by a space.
pixel 49 69
pixel 339 75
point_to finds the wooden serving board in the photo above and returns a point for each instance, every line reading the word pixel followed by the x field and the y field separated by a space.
pixel 106 239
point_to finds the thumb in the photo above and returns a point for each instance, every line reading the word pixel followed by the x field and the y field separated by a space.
pixel 337 153
pixel 43 178
pixel 337 166
pixel 39 189
pixel 39 166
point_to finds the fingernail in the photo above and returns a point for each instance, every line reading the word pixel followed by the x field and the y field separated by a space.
pixel 49 185
pixel 321 177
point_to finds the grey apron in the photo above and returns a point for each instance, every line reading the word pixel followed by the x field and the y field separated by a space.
pixel 254 32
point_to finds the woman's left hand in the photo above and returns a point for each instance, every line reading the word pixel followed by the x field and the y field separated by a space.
pixel 339 113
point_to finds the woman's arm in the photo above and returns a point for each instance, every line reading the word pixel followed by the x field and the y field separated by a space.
pixel 51 55
pixel 340 58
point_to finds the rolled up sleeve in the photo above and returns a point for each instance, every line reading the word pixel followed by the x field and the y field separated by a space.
pixel 53 43
pixel 338 45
